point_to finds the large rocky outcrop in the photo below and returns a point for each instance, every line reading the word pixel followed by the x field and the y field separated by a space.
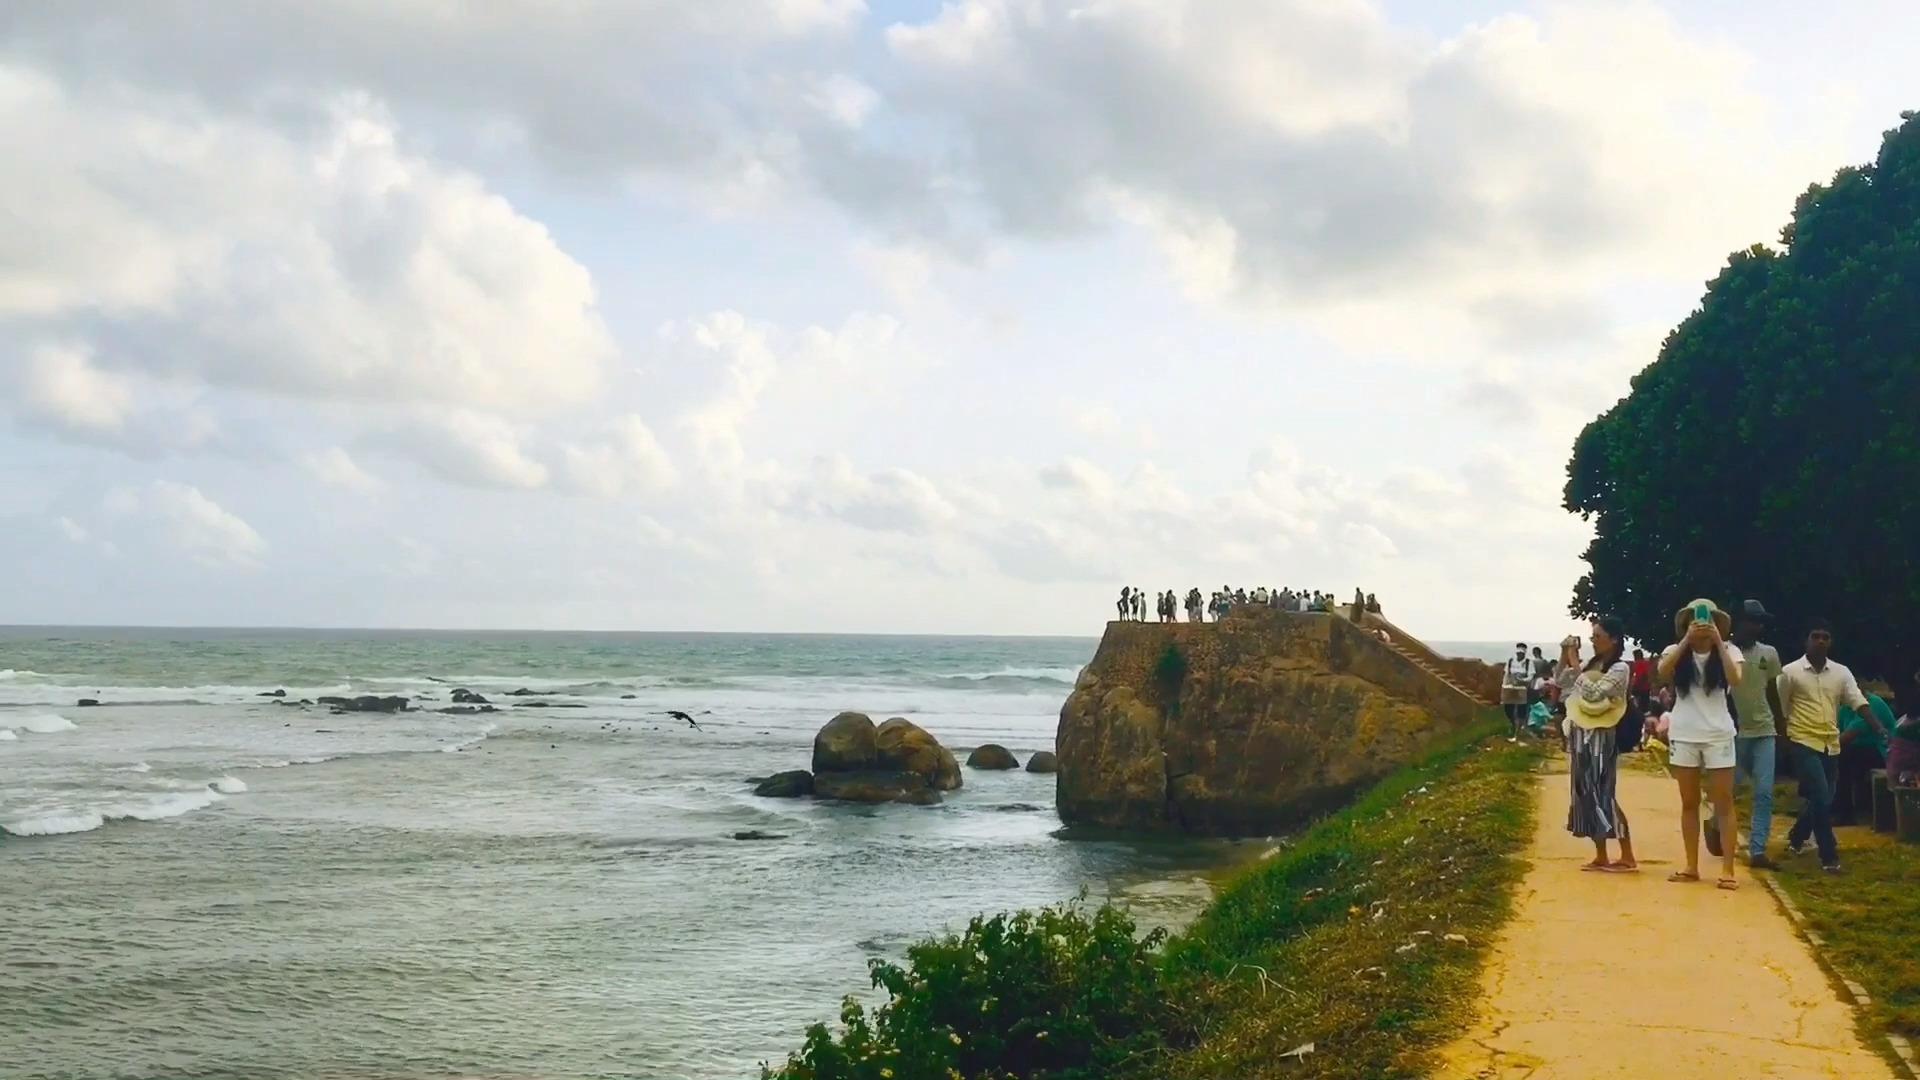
pixel 1245 726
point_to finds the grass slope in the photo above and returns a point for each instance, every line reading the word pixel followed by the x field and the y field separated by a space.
pixel 1363 937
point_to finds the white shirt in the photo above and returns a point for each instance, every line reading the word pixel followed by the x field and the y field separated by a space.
pixel 1699 716
pixel 1519 671
pixel 1812 700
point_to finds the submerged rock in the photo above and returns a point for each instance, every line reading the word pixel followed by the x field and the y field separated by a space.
pixel 845 744
pixel 271 693
pixel 992 756
pixel 875 786
pixel 86 703
pixel 522 692
pixel 463 696
pixel 900 745
pixel 786 785
pixel 466 710
pixel 756 834
pixel 1043 761
pixel 367 703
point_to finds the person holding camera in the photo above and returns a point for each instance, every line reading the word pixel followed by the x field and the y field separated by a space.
pixel 1702 667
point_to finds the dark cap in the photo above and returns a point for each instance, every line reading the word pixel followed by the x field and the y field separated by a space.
pixel 1754 609
pixel 1519 644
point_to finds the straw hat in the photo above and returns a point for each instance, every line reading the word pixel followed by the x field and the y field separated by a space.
pixel 1684 617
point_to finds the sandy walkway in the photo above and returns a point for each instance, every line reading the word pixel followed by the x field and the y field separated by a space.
pixel 1604 975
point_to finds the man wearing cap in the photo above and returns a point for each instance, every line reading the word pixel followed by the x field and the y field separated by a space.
pixel 1513 690
pixel 1812 690
pixel 1756 705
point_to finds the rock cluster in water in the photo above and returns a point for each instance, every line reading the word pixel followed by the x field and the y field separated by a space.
pixel 856 761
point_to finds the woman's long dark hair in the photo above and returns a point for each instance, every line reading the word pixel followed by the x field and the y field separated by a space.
pixel 1616 630
pixel 1684 672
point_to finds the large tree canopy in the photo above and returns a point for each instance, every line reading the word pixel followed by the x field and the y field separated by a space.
pixel 1773 448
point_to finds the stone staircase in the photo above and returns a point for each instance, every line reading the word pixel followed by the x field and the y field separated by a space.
pixel 1420 661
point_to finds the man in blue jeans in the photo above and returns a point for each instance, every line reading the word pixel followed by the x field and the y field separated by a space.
pixel 1756 702
pixel 1813 689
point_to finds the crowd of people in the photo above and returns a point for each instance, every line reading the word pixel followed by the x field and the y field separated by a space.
pixel 1719 705
pixel 1168 605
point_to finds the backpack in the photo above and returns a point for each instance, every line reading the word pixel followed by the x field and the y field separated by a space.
pixel 1631 731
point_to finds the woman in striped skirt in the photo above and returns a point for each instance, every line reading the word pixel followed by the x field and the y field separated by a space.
pixel 1595 707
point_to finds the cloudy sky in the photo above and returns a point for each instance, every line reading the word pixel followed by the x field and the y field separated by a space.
pixel 823 315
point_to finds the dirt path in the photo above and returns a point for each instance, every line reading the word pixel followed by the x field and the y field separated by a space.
pixel 1628 975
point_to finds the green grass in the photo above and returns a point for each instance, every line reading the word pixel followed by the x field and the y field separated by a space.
pixel 1869 916
pixel 1307 947
pixel 1339 940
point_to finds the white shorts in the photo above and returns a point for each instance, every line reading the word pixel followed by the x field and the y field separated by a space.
pixel 1717 754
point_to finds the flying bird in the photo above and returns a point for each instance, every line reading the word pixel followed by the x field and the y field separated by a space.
pixel 678 715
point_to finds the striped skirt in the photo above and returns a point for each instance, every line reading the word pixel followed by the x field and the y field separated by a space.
pixel 1595 813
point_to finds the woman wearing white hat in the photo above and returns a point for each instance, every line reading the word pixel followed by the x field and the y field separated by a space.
pixel 1702 666
pixel 1595 707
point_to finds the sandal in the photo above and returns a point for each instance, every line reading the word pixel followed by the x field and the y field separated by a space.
pixel 1727 883
pixel 1620 868
pixel 1594 866
pixel 1683 875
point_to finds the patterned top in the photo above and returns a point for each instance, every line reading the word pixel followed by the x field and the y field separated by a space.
pixel 1600 696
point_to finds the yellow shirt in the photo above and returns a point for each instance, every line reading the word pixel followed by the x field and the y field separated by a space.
pixel 1812 700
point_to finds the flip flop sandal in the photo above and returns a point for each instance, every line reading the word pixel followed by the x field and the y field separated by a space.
pixel 1616 868
pixel 1682 875
pixel 1727 883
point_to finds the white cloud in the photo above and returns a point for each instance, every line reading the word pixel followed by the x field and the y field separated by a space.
pixel 629 457
pixel 335 467
pixel 466 447
pixel 889 500
pixel 60 385
pixel 191 522
pixel 81 536
pixel 328 264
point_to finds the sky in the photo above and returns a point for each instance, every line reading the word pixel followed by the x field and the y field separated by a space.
pixel 844 316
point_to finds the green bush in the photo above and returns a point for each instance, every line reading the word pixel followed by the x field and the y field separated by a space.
pixel 1056 993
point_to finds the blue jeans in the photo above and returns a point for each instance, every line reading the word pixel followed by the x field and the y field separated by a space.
pixel 1819 773
pixel 1753 756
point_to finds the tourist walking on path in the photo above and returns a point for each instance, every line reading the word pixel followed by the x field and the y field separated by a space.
pixel 1702 666
pixel 1812 690
pixel 1594 710
pixel 1756 704
pixel 1513 690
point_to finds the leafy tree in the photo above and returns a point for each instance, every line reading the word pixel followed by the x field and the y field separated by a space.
pixel 1773 448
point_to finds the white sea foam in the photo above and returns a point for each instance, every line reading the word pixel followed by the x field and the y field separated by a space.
pixel 228 785
pixel 285 762
pixel 54 824
pixel 138 766
pixel 75 819
pixel 1065 675
pixel 474 741
pixel 7 735
pixel 47 723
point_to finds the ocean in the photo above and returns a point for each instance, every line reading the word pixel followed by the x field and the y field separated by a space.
pixel 200 883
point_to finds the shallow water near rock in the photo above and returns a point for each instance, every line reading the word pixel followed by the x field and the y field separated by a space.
pixel 201 883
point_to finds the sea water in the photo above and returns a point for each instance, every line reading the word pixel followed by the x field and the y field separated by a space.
pixel 199 882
